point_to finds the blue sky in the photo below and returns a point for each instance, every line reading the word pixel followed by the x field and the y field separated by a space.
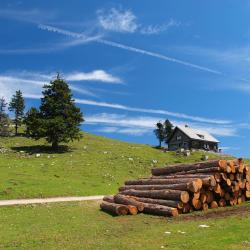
pixel 133 63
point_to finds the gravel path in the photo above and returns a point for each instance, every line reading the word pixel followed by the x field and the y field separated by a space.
pixel 48 200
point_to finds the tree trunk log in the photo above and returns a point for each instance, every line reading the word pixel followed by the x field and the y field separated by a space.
pixel 176 195
pixel 168 203
pixel 181 186
pixel 214 204
pixel 159 210
pixel 158 181
pixel 121 199
pixel 115 209
pixel 187 167
pixel 109 198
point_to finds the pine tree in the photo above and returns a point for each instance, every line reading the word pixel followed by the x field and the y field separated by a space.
pixel 168 127
pixel 17 106
pixel 58 119
pixel 4 120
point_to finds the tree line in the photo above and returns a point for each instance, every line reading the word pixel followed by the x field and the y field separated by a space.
pixel 57 119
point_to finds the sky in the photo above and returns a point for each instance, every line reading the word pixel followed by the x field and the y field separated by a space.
pixel 131 63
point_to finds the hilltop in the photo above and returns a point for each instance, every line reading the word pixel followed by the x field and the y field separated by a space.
pixel 92 166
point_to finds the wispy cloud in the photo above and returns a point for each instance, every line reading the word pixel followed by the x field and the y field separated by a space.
pixel 132 49
pixel 143 110
pixel 126 131
pixel 152 111
pixel 96 75
pixel 156 29
pixel 49 48
pixel 31 83
pixel 125 21
pixel 117 20
pixel 146 124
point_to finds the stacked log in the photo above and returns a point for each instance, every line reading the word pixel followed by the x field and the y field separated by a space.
pixel 183 188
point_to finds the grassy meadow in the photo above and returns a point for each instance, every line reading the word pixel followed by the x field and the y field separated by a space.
pixel 92 166
pixel 81 225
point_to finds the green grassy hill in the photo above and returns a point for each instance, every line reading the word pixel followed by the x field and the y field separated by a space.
pixel 94 165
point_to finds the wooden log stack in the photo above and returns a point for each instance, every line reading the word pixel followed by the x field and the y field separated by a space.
pixel 183 188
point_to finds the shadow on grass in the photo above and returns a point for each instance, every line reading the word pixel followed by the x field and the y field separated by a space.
pixel 42 149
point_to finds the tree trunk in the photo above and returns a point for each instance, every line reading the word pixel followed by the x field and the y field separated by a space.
pixel 192 186
pixel 109 198
pixel 187 167
pixel 159 181
pixel 176 195
pixel 159 210
pixel 55 145
pixel 121 199
pixel 113 208
pixel 168 203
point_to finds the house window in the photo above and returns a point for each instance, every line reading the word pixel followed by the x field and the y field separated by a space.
pixel 178 137
pixel 201 136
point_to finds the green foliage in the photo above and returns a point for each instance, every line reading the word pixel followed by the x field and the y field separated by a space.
pixel 17 106
pixel 168 129
pixel 58 119
pixel 4 119
pixel 163 131
pixel 160 132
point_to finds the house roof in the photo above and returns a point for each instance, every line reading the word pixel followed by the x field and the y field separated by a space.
pixel 197 134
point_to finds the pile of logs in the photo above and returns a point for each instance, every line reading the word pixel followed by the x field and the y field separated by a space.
pixel 183 188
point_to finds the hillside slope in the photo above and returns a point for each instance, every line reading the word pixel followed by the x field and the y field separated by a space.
pixel 94 165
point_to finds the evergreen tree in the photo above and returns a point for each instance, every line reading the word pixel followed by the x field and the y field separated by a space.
pixel 160 132
pixel 32 123
pixel 17 106
pixel 4 120
pixel 58 119
pixel 168 127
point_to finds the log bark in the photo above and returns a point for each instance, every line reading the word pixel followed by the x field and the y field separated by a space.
pixel 169 194
pixel 159 210
pixel 181 186
pixel 159 181
pixel 187 167
pixel 199 171
pixel 109 198
pixel 121 199
pixel 115 209
pixel 168 203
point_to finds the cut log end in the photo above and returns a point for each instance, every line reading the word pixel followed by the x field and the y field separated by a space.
pixel 184 197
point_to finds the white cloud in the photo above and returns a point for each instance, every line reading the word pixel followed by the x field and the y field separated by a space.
pixel 49 48
pixel 152 111
pixel 156 29
pixel 31 83
pixel 125 21
pixel 126 131
pixel 96 75
pixel 117 20
pixel 139 125
pixel 132 49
